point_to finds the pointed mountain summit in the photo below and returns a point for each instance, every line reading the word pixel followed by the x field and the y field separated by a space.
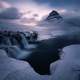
pixel 54 16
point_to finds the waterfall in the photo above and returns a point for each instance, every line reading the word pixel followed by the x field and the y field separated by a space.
pixel 4 40
pixel 13 41
pixel 24 42
pixel 16 52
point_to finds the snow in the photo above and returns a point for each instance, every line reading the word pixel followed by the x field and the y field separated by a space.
pixel 11 69
pixel 15 52
pixel 68 67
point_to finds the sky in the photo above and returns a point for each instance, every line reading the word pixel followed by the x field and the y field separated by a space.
pixel 32 11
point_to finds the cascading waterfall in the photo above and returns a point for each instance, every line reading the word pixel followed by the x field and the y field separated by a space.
pixel 4 40
pixel 24 42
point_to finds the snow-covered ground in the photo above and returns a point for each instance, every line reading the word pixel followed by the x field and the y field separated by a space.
pixel 68 67
pixel 12 69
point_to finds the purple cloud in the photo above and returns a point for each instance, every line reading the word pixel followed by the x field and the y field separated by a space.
pixel 35 15
pixel 10 13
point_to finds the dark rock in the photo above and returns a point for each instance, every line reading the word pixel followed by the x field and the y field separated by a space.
pixel 54 15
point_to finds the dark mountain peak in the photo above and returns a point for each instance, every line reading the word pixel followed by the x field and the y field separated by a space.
pixel 53 16
pixel 53 13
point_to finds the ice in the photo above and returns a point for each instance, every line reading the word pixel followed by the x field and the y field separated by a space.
pixel 68 67
pixel 2 52
pixel 16 52
pixel 12 69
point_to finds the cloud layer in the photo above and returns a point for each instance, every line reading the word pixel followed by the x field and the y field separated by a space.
pixel 4 4
pixel 36 10
pixel 43 7
pixel 10 13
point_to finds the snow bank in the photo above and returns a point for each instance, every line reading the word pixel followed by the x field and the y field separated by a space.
pixel 68 68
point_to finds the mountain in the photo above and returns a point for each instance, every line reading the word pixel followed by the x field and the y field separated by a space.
pixel 53 17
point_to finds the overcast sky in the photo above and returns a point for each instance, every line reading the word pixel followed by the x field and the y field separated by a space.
pixel 51 3
pixel 33 10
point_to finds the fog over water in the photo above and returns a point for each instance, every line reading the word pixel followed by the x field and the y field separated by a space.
pixel 45 30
